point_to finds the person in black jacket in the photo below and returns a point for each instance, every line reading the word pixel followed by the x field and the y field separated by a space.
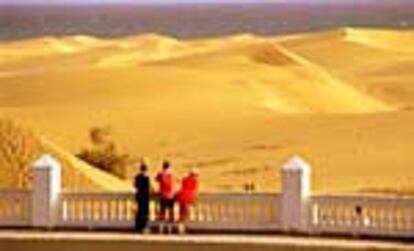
pixel 142 197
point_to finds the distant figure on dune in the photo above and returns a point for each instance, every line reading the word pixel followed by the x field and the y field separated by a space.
pixel 187 196
pixel 165 180
pixel 142 196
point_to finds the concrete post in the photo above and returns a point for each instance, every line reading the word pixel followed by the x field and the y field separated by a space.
pixel 46 189
pixel 295 194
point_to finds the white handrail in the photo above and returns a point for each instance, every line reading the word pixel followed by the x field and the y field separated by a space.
pixel 217 211
pixel 359 214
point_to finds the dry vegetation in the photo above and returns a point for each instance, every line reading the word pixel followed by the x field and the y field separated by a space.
pixel 104 154
pixel 19 148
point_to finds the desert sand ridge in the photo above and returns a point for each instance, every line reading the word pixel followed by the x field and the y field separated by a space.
pixel 399 41
pixel 237 106
pixel 19 148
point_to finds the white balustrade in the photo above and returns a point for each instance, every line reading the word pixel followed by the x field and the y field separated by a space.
pixel 15 208
pixel 212 211
pixel 294 209
pixel 363 215
pixel 96 210
pixel 243 212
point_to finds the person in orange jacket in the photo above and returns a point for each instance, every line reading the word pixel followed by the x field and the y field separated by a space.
pixel 188 194
pixel 165 180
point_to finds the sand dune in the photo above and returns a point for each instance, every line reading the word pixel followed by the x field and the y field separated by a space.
pixel 376 62
pixel 19 148
pixel 398 41
pixel 236 106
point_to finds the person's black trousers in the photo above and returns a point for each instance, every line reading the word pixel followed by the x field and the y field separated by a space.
pixel 142 214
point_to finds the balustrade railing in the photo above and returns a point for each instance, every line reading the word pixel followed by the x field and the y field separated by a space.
pixel 15 208
pixel 295 209
pixel 241 212
pixel 94 210
pixel 212 211
pixel 371 215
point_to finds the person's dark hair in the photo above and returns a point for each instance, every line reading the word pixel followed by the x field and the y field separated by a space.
pixel 166 165
pixel 143 167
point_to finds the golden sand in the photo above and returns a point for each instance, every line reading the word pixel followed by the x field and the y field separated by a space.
pixel 19 148
pixel 236 107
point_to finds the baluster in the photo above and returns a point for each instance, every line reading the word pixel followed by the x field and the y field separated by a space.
pixel 22 206
pixel 12 205
pixel 194 215
pixel 396 213
pixel 70 208
pixel 218 210
pixel 315 214
pixel 327 216
pixel 88 206
pixel 232 212
pixel 213 211
pixel 200 210
pixel 390 218
pixel 404 218
pixel 64 213
pixel 220 207
pixel 208 209
pixel 374 217
pixel 266 210
pixel 235 211
pixel 121 212
pixel 252 209
pixel 385 219
pixel 117 210
pixel 105 206
pixel 399 218
pixel 367 217
pixel 16 207
pixel 112 208
pixel 248 209
pixel 125 209
pixel 131 205
pixel 76 213
pixel 330 216
pixel 97 209
pixel 382 223
pixel 153 210
pixel 1 209
pixel 6 207
pixel 244 212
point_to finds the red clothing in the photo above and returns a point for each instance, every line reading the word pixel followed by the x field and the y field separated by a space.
pixel 189 189
pixel 165 180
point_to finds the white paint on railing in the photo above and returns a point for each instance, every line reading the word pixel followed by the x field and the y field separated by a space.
pixel 236 212
pixel 212 211
pixel 46 189
pixel 294 209
pixel 359 215
pixel 295 194
pixel 96 210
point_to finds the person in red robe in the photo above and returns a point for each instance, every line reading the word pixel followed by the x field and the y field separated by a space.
pixel 188 194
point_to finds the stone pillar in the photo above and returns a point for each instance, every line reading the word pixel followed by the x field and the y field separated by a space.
pixel 45 191
pixel 295 194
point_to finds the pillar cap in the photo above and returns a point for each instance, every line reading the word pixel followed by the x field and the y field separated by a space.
pixel 296 164
pixel 46 161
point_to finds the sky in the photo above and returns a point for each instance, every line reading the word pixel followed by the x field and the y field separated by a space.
pixel 164 1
